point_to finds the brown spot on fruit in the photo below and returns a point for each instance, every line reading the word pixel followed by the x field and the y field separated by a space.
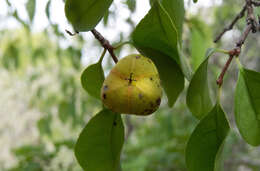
pixel 151 78
pixel 104 96
pixel 158 101
pixel 148 111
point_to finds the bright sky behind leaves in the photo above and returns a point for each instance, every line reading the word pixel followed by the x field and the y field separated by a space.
pixel 111 32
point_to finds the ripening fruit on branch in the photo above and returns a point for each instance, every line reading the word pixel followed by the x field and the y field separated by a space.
pixel 132 86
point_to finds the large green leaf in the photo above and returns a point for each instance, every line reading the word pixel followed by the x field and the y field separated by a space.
pixel 198 48
pixel 92 79
pixel 156 31
pixel 84 15
pixel 99 145
pixel 247 105
pixel 200 40
pixel 206 140
pixel 30 7
pixel 156 37
pixel 175 9
pixel 198 98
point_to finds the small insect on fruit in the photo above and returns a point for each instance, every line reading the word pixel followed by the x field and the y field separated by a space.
pixel 132 86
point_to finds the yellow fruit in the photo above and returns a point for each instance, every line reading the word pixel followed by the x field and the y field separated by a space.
pixel 132 86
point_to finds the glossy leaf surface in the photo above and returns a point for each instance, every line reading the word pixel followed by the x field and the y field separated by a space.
pixel 198 98
pixel 206 141
pixel 176 11
pixel 247 105
pixel 99 145
pixel 156 31
pixel 92 79
pixel 85 15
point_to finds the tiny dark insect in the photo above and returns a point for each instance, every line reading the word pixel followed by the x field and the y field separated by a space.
pixel 104 96
pixel 114 123
pixel 137 57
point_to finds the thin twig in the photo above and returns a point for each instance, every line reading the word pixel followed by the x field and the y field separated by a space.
pixel 251 26
pixel 255 3
pixel 105 43
pixel 230 27
pixel 244 36
pixel 234 52
pixel 221 76
pixel 250 15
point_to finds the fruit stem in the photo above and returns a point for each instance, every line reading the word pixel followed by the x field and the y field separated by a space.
pixel 219 94
pixel 102 55
pixel 122 44
pixel 222 51
pixel 105 43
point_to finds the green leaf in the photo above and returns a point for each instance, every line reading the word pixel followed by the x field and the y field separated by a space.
pixel 195 1
pixel 200 41
pixel 206 141
pixel 99 145
pixel 106 17
pixel 85 15
pixel 247 105
pixel 156 37
pixel 47 9
pixel 198 48
pixel 185 67
pixel 198 98
pixel 92 79
pixel 156 31
pixel 131 5
pixel 30 7
pixel 176 11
